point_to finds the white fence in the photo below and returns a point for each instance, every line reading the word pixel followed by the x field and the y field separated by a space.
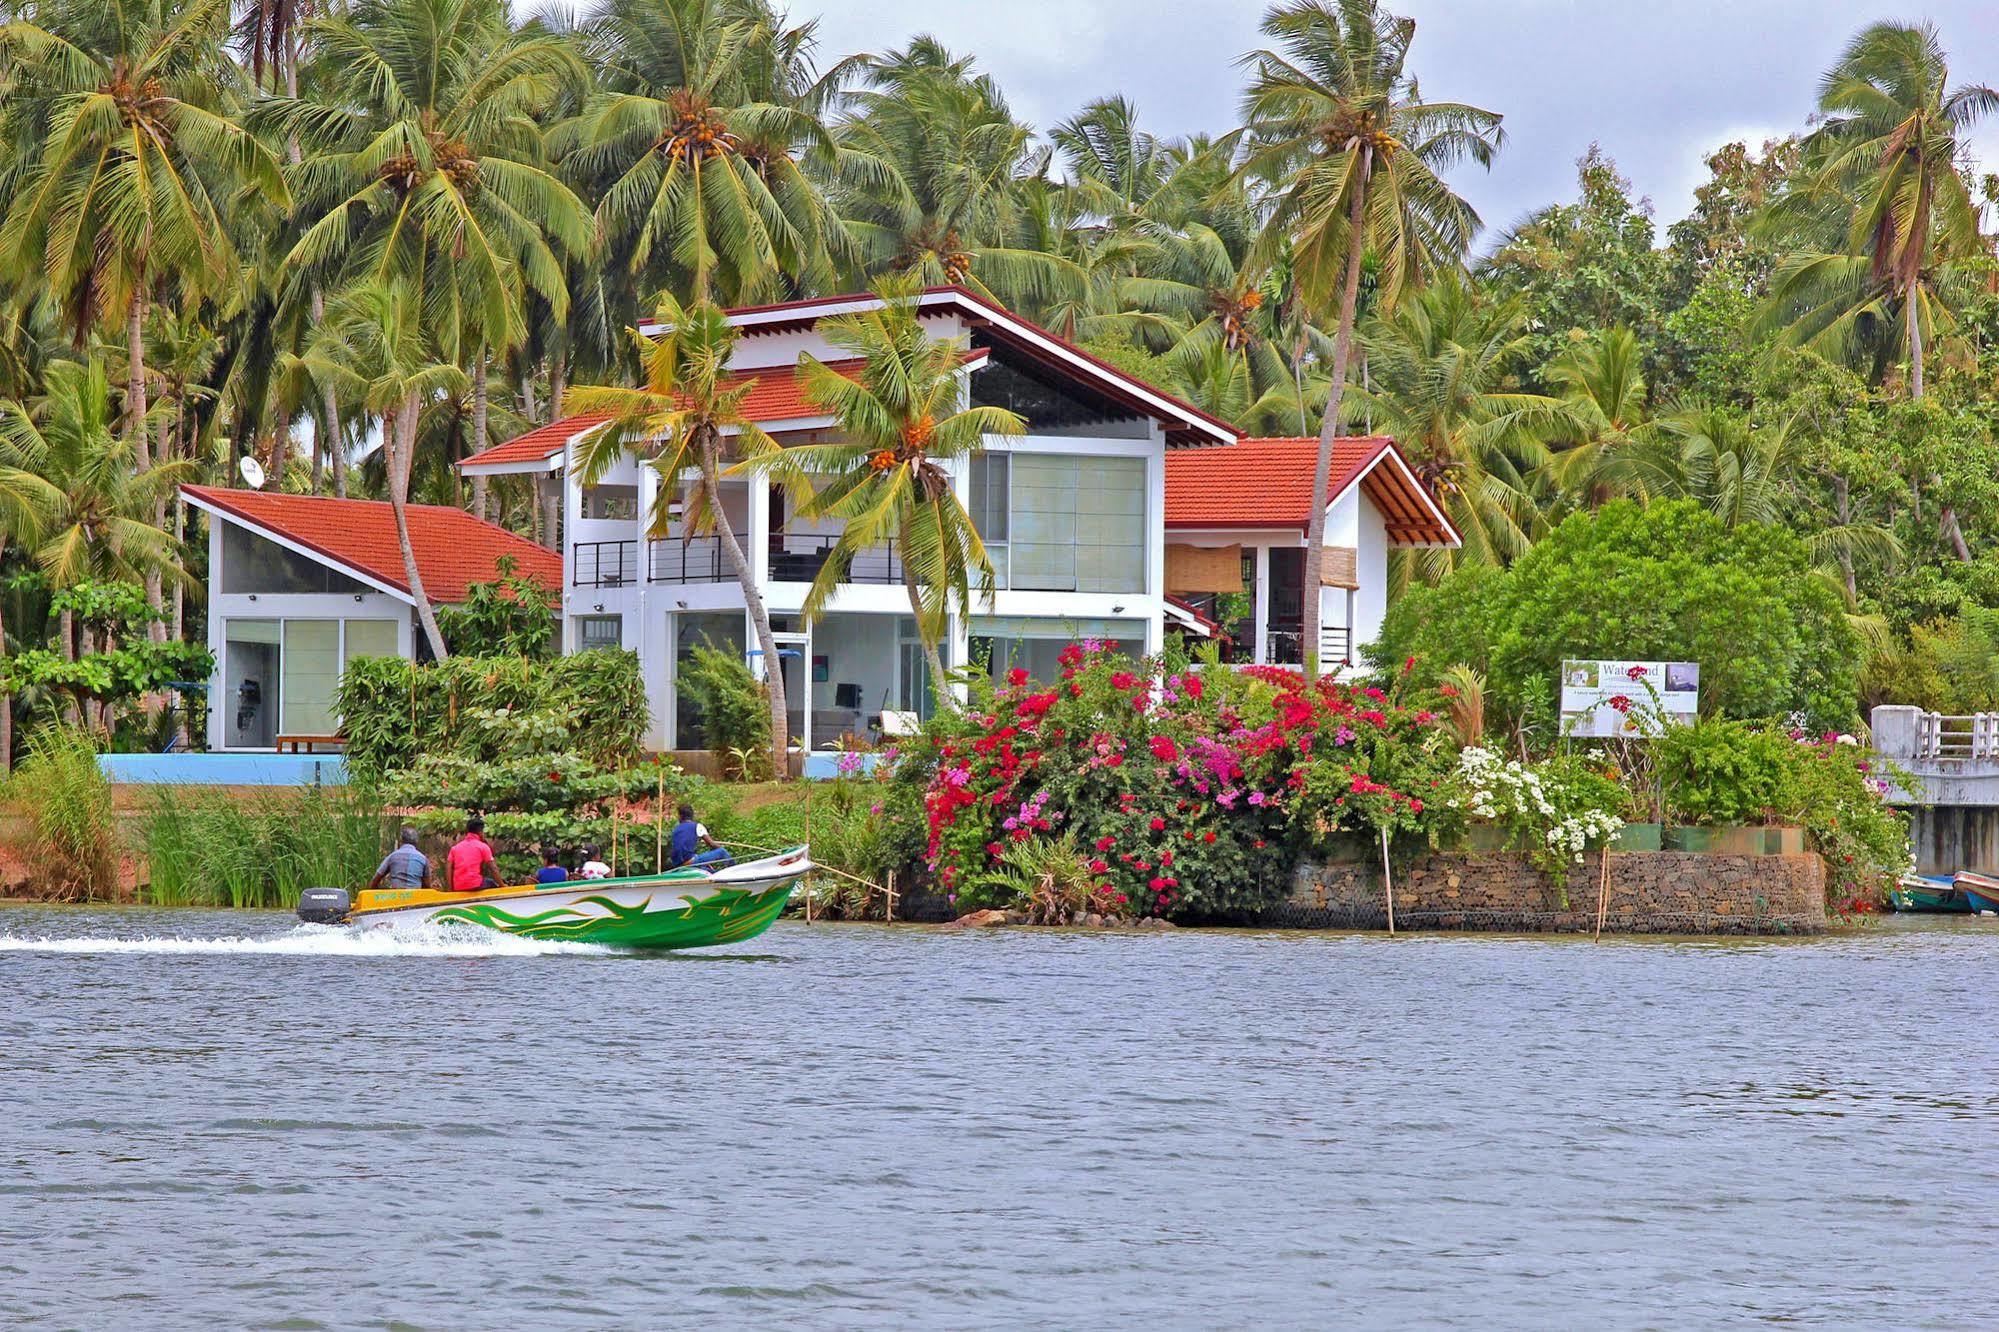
pixel 1970 738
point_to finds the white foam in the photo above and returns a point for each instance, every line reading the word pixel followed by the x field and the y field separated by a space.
pixel 320 941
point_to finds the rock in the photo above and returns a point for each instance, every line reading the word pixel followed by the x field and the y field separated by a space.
pixel 980 920
pixel 1094 920
pixel 1010 917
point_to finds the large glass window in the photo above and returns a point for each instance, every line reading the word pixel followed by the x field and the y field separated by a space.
pixel 990 500
pixel 1076 524
pixel 311 675
pixel 724 630
pixel 250 684
pixel 1002 642
pixel 369 638
pixel 251 564
pixel 599 631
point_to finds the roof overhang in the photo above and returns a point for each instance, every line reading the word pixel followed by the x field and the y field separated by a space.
pixel 1410 514
pixel 296 546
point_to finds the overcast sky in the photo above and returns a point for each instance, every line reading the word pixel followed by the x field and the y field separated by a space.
pixel 1657 82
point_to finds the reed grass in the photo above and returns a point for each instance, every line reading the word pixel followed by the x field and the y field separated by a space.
pixel 73 850
pixel 206 848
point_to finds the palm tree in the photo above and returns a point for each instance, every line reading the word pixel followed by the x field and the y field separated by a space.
pixel 1334 121
pixel 423 166
pixel 1601 384
pixel 699 139
pixel 904 430
pixel 681 420
pixel 1716 457
pixel 124 145
pixel 1441 367
pixel 930 179
pixel 1883 166
pixel 377 346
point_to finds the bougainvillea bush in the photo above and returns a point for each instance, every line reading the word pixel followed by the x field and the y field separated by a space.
pixel 1188 792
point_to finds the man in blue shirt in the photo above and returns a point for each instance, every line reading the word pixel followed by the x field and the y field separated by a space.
pixel 404 867
pixel 686 846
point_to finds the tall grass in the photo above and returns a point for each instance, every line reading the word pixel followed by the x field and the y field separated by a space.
pixel 206 848
pixel 73 848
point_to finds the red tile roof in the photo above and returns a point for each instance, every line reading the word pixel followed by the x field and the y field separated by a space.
pixel 1268 483
pixel 777 395
pixel 453 549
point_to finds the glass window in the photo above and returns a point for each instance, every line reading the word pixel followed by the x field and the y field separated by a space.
pixel 1003 642
pixel 311 675
pixel 250 686
pixel 1077 524
pixel 369 638
pixel 991 474
pixel 251 563
pixel 616 502
pixel 599 631
pixel 725 630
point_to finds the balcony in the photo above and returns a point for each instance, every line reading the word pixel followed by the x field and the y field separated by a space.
pixel 603 563
pixel 694 560
pixel 798 559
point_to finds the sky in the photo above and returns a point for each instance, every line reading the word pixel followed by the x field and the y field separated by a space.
pixel 1659 83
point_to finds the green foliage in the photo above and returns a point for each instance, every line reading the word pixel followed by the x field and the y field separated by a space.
pixel 209 848
pixel 1949 666
pixel 511 616
pixel 1666 582
pixel 485 709
pixel 734 709
pixel 72 850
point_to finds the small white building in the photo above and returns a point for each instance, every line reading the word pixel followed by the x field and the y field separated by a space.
pixel 300 585
pixel 1237 519
pixel 1073 514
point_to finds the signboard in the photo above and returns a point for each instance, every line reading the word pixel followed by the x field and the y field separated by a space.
pixel 1611 699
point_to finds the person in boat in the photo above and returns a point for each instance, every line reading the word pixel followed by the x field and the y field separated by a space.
pixel 690 843
pixel 593 864
pixel 404 867
pixel 551 870
pixel 469 865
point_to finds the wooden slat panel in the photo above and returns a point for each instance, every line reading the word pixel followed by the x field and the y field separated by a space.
pixel 1203 568
pixel 1340 568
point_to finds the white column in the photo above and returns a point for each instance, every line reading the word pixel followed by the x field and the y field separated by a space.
pixel 758 536
pixel 1260 649
pixel 217 634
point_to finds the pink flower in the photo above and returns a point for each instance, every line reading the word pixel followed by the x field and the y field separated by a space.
pixel 1158 824
pixel 1636 673
pixel 1191 685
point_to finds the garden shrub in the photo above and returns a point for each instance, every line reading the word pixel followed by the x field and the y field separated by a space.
pixel 511 616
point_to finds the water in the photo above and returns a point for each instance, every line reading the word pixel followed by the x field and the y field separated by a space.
pixel 222 1120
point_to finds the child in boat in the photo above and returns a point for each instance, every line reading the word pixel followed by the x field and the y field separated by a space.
pixel 691 844
pixel 593 865
pixel 551 870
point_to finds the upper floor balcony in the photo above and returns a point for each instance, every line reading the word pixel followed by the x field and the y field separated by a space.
pixel 791 559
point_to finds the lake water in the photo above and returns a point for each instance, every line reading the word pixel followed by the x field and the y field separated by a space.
pixel 220 1120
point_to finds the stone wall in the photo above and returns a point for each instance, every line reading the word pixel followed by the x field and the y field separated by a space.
pixel 1649 892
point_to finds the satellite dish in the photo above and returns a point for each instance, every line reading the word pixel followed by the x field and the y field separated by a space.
pixel 253 472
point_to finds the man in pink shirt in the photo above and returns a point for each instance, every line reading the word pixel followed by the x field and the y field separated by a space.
pixel 469 865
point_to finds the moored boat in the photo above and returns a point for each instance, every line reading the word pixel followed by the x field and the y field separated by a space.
pixel 1980 891
pixel 683 908
pixel 1927 893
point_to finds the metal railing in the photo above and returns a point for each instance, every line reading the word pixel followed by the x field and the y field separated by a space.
pixel 796 559
pixel 1973 737
pixel 603 563
pixel 1286 647
pixel 695 560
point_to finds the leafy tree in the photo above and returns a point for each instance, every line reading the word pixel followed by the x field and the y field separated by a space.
pixel 1334 118
pixel 511 615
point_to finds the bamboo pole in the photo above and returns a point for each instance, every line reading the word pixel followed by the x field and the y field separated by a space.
pixel 890 899
pixel 1388 880
pixel 659 825
pixel 1602 890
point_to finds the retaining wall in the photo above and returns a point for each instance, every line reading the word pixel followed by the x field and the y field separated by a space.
pixel 1649 892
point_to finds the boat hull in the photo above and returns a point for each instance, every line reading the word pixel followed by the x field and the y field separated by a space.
pixel 1980 892
pixel 682 909
pixel 1930 894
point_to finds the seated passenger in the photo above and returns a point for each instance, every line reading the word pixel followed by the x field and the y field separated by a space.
pixel 691 844
pixel 404 867
pixel 593 864
pixel 469 864
pixel 551 870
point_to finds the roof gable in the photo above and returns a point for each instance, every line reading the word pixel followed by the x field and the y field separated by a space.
pixel 453 549
pixel 1268 483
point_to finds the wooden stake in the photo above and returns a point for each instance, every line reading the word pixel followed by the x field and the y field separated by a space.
pixel 891 898
pixel 1388 880
pixel 1602 890
pixel 659 825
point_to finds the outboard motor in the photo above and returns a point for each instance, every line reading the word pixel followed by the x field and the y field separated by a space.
pixel 323 906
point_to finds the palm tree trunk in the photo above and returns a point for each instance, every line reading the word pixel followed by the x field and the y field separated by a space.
pixel 479 430
pixel 6 704
pixel 1843 500
pixel 399 437
pixel 558 381
pixel 1913 317
pixel 753 599
pixel 1329 424
pixel 135 422
pixel 932 658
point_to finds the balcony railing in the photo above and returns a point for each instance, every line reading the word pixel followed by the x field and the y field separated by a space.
pixel 795 559
pixel 1286 647
pixel 603 563
pixel 695 560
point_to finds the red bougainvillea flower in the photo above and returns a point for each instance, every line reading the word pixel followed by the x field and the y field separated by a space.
pixel 1098 866
pixel 1158 824
pixel 1070 656
pixel 1105 843
pixel 1017 676
pixel 1164 749
pixel 1155 883
pixel 554 776
pixel 1123 681
pixel 1208 836
pixel 1620 703
pixel 1636 673
pixel 1191 686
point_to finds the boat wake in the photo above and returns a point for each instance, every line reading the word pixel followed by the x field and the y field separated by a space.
pixel 319 941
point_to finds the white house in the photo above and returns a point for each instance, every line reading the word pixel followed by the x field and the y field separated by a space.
pixel 1237 519
pixel 300 585
pixel 1073 514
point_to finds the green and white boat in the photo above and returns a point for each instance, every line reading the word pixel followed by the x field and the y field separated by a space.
pixel 684 908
